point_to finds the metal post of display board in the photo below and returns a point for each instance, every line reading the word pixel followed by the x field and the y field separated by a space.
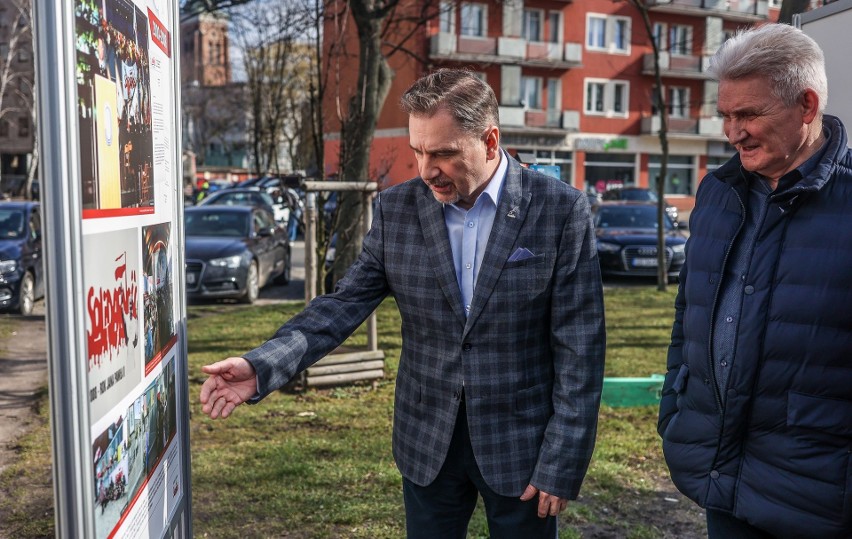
pixel 61 234
pixel 112 200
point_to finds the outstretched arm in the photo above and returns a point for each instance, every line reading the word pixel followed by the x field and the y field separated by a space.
pixel 231 383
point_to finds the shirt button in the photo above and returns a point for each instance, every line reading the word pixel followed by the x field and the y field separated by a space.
pixel 749 289
pixel 732 393
pixel 470 224
pixel 467 266
pixel 729 319
pixel 714 474
pixel 467 307
pixel 724 363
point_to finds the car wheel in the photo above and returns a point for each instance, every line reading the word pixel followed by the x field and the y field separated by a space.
pixel 252 284
pixel 26 294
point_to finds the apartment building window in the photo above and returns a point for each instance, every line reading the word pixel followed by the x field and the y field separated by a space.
pixel 607 98
pixel 532 26
pixel 660 35
pixel 447 19
pixel 554 95
pixel 619 98
pixel 554 31
pixel 473 19
pixel 4 128
pixel 680 40
pixel 608 33
pixel 23 127
pixel 678 101
pixel 595 97
pixel 531 92
pixel 596 33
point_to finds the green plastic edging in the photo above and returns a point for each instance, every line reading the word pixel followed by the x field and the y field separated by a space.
pixel 621 392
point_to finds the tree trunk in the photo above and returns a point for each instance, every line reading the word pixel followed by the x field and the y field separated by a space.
pixel 356 136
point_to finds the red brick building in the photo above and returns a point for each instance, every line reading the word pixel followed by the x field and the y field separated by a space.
pixel 575 82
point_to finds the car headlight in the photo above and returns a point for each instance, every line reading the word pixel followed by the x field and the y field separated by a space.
pixel 227 262
pixel 679 248
pixel 8 266
pixel 606 247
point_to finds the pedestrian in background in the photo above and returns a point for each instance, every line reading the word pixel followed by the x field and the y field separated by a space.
pixel 495 273
pixel 756 414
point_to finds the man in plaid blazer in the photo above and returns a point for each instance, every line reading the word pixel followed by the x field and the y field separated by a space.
pixel 494 270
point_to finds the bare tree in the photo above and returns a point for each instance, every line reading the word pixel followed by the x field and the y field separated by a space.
pixel 269 34
pixel 17 89
pixel 214 115
pixel 383 27
pixel 662 108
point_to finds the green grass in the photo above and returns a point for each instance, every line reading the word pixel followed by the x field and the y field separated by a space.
pixel 318 464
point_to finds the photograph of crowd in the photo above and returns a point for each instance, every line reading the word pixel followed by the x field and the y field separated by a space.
pixel 129 450
pixel 158 293
pixel 114 107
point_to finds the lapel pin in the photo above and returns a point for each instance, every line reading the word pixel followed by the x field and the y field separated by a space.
pixel 513 212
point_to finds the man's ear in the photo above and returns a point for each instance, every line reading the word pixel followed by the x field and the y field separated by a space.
pixel 810 106
pixel 492 142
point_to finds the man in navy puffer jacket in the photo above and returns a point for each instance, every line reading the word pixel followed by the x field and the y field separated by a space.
pixel 756 414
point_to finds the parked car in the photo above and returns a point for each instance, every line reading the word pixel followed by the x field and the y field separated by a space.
pixel 639 194
pixel 626 235
pixel 249 196
pixel 233 252
pixel 21 268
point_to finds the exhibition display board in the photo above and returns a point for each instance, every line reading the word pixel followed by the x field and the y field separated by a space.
pixel 109 105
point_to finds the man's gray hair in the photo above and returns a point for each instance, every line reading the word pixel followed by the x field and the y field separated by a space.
pixel 469 100
pixel 787 57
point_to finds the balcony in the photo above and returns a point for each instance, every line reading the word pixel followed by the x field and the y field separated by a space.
pixel 685 67
pixel 544 120
pixel 732 10
pixel 704 127
pixel 505 50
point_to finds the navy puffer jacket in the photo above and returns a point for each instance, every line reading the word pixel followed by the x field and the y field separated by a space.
pixel 776 451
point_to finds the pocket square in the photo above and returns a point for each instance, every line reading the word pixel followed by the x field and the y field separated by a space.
pixel 521 253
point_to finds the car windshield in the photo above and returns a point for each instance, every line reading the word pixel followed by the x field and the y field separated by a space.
pixel 11 224
pixel 638 194
pixel 229 224
pixel 229 198
pixel 629 217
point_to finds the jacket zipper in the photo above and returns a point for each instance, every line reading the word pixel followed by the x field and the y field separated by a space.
pixel 720 405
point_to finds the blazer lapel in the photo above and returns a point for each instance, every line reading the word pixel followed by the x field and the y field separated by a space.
pixel 431 213
pixel 511 213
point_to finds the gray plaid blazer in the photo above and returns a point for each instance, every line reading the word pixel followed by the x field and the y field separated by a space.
pixel 529 357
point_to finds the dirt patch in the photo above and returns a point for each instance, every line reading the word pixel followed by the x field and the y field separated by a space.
pixel 23 377
pixel 663 514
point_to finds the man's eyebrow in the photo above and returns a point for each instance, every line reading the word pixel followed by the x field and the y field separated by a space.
pixel 443 149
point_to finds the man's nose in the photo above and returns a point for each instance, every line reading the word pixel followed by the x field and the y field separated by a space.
pixel 736 131
pixel 428 169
